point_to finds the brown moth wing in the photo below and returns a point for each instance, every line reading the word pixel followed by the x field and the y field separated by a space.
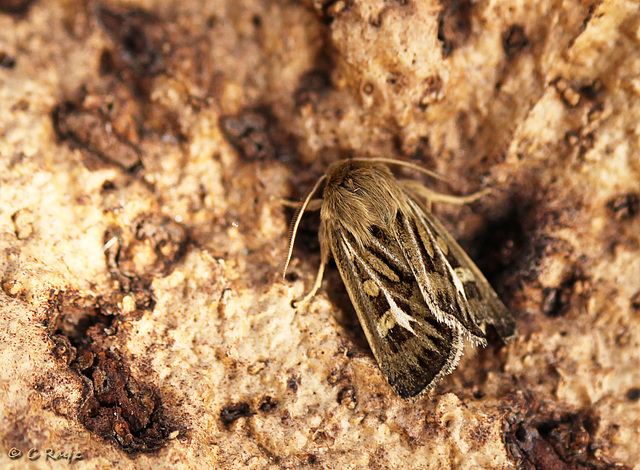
pixel 484 303
pixel 444 291
pixel 413 349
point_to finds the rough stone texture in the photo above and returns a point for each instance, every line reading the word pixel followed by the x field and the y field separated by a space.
pixel 144 146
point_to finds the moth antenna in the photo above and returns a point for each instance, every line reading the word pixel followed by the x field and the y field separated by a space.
pixel 293 230
pixel 393 161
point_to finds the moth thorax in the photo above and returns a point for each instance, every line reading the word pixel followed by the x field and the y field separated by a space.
pixel 359 204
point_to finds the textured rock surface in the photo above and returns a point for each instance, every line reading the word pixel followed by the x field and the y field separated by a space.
pixel 144 146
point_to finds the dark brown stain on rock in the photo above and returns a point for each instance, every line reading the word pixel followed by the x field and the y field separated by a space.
pixel 624 206
pixel 347 397
pixel 329 10
pixel 15 7
pixel 137 36
pixel 313 85
pixel 293 383
pixel 454 25
pixel 267 404
pixel 234 411
pixel 514 40
pixel 115 404
pixel 256 135
pixel 635 301
pixel 633 394
pixel 6 61
pixel 119 407
pixel 503 244
pixel 90 129
pixel 544 435
pixel 111 119
pixel 164 240
pixel 558 300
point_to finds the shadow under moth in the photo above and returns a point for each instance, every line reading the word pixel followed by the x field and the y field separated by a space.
pixel 416 292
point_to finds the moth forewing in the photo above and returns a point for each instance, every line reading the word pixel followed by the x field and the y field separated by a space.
pixel 412 348
pixel 494 311
pixel 441 284
pixel 415 291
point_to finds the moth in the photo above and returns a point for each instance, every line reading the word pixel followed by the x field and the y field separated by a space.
pixel 416 292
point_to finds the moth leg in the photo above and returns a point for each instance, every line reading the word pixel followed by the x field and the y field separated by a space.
pixel 314 204
pixel 433 196
pixel 325 251
pixel 316 286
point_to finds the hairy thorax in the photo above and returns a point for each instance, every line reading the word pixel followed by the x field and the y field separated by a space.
pixel 358 196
